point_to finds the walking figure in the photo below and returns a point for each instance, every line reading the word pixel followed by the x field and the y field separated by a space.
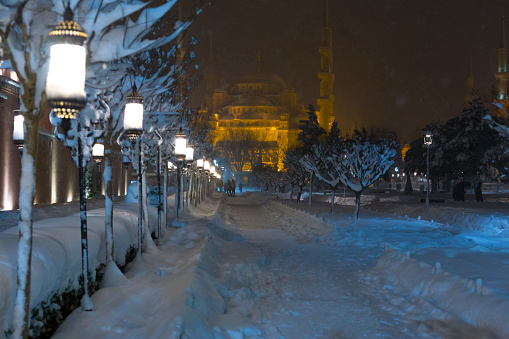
pixel 478 192
pixel 233 187
pixel 228 188
pixel 240 187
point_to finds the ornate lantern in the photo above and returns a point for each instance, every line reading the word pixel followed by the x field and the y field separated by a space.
pixel 189 153
pixel 133 115
pixel 18 135
pixel 98 152
pixel 65 83
pixel 180 145
pixel 199 163
pixel 206 165
pixel 428 138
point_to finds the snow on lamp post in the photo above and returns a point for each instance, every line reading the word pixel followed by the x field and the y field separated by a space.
pixel 133 129
pixel 65 94
pixel 428 139
pixel 18 135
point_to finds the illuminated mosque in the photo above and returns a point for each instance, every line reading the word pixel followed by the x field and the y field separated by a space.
pixel 261 103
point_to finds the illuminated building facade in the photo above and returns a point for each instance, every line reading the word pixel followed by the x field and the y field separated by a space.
pixel 261 104
pixel 56 173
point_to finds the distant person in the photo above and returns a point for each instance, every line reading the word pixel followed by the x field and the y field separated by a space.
pixel 459 191
pixel 240 187
pixel 228 187
pixel 478 192
pixel 233 187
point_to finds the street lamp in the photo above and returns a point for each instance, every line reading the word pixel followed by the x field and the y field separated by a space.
pixel 188 172
pixel 65 94
pixel 428 139
pixel 18 135
pixel 180 154
pixel 98 153
pixel 133 129
pixel 65 83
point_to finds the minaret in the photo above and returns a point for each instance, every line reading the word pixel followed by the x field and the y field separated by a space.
pixel 469 96
pixel 326 75
pixel 502 75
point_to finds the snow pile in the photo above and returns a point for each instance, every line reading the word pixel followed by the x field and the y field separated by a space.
pixel 406 279
pixel 56 258
pixel 177 290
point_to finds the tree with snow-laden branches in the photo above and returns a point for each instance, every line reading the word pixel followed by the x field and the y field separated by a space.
pixel 318 161
pixel 362 161
pixel 115 30
pixel 295 173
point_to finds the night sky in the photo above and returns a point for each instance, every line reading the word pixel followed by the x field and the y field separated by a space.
pixel 399 64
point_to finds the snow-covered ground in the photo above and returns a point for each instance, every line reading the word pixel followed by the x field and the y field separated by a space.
pixel 255 267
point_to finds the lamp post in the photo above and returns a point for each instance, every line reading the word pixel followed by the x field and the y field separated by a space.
pixel 65 94
pixel 180 154
pixel 199 169
pixel 428 139
pixel 18 135
pixel 189 161
pixel 133 129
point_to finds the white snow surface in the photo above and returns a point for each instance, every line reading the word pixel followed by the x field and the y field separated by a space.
pixel 251 267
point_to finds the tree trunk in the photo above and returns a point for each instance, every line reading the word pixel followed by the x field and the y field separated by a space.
pixel 165 200
pixel 408 185
pixel 357 204
pixel 177 193
pixel 108 204
pixel 310 187
pixel 159 205
pixel 332 200
pixel 291 194
pixel 21 315
pixel 145 206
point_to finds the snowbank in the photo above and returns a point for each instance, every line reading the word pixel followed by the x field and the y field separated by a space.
pixel 177 290
pixel 406 278
pixel 56 258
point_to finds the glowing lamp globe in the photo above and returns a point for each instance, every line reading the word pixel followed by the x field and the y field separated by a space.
pixel 133 115
pixel 65 82
pixel 189 153
pixel 206 165
pixel 180 145
pixel 18 135
pixel 98 152
pixel 199 163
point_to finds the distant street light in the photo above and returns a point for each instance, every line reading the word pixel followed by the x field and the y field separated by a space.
pixel 428 139
pixel 65 94
pixel 98 154
pixel 18 135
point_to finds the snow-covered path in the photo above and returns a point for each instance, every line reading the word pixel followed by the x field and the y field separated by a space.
pixel 316 288
pixel 324 282
pixel 250 267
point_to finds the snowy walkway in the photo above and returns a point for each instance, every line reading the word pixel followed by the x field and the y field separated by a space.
pixel 316 289
pixel 248 267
